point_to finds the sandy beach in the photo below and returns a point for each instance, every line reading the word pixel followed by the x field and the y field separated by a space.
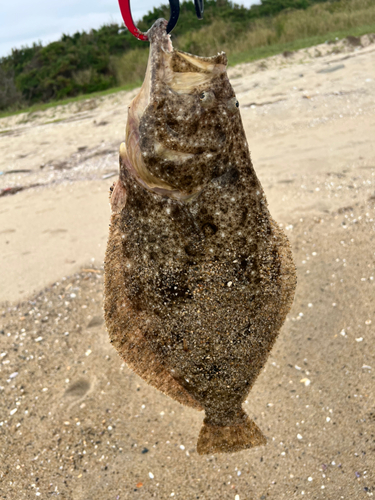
pixel 75 422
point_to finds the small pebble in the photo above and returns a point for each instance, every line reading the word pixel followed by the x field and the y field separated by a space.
pixel 151 476
pixel 299 436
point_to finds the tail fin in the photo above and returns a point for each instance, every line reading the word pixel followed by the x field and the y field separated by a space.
pixel 216 439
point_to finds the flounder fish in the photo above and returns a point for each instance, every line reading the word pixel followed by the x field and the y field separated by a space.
pixel 198 276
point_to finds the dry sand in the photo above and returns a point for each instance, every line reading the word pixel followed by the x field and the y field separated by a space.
pixel 74 421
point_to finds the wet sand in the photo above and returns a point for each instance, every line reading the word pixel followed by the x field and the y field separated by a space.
pixel 74 421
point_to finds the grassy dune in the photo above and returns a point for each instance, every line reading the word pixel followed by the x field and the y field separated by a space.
pixel 320 20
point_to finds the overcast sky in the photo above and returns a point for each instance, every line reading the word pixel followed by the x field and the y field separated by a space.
pixel 23 22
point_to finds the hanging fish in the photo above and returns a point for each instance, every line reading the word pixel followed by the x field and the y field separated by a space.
pixel 198 276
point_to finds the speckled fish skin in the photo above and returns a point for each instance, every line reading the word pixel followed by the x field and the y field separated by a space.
pixel 198 276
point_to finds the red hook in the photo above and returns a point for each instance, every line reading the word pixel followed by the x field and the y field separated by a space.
pixel 128 20
pixel 129 23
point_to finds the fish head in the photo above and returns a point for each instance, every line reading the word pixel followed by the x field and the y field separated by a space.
pixel 184 124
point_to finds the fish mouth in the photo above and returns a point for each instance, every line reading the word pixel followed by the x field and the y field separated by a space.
pixel 168 70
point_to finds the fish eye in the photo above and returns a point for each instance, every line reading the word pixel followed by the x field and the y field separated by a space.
pixel 207 98
pixel 233 104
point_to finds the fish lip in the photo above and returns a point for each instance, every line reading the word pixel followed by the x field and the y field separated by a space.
pixel 161 49
pixel 159 37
